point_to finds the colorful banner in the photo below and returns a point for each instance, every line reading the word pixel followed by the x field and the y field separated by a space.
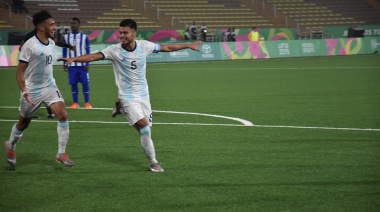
pixel 342 31
pixel 238 50
pixel 265 34
pixel 112 36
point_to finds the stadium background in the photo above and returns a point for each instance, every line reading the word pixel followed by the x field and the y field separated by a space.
pixel 314 103
pixel 166 21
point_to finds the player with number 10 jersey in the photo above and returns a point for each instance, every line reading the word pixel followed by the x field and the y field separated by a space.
pixel 39 73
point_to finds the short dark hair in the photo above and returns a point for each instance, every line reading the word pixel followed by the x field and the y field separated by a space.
pixel 128 22
pixel 76 19
pixel 40 17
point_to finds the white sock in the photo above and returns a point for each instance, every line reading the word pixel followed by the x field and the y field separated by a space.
pixel 14 137
pixel 63 135
pixel 147 144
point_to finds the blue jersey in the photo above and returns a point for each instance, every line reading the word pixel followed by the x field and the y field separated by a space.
pixel 81 43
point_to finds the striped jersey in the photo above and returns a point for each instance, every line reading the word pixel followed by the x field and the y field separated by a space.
pixel 130 68
pixel 39 73
pixel 81 43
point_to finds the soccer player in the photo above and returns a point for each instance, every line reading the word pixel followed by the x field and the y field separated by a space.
pixel 35 78
pixel 59 43
pixel 129 64
pixel 78 72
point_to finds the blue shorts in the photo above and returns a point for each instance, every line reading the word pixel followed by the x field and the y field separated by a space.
pixel 78 74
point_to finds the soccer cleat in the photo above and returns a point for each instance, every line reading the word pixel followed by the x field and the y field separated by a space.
pixel 10 154
pixel 116 109
pixel 156 167
pixel 87 106
pixel 51 115
pixel 74 106
pixel 64 158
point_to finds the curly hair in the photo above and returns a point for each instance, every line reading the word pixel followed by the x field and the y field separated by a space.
pixel 40 17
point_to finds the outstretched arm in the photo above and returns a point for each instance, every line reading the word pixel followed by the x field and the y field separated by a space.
pixel 64 45
pixel 176 47
pixel 83 58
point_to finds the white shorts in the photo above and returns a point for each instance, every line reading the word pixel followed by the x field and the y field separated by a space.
pixel 137 110
pixel 48 96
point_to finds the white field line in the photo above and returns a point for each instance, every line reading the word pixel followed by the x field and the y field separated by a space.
pixel 244 123
pixel 279 68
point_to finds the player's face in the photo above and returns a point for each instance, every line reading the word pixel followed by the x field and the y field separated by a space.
pixel 127 35
pixel 74 26
pixel 50 28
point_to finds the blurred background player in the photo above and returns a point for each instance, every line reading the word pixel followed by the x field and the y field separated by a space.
pixel 253 35
pixel 233 35
pixel 203 33
pixel 229 35
pixel 78 72
pixel 19 6
pixel 193 31
pixel 187 34
pixel 35 79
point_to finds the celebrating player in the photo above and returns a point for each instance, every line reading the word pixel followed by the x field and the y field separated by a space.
pixel 59 43
pixel 35 79
pixel 129 64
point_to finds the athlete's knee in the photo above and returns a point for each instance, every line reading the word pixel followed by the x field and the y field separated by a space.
pixel 145 130
pixel 23 123
pixel 61 114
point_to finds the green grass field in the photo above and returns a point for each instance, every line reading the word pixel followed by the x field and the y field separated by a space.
pixel 314 144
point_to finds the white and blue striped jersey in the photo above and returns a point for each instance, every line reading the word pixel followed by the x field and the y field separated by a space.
pixel 130 69
pixel 81 43
pixel 39 73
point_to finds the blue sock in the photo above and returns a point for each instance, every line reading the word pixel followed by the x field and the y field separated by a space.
pixel 86 92
pixel 74 91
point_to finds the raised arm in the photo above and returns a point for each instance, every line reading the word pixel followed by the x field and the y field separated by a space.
pixel 83 58
pixel 176 47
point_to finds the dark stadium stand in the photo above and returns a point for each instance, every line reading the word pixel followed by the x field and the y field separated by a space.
pixel 309 15
pixel 215 14
pixel 111 19
pixel 356 9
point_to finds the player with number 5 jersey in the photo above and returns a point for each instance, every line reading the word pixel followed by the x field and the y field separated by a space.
pixel 129 64
pixel 130 69
pixel 35 78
